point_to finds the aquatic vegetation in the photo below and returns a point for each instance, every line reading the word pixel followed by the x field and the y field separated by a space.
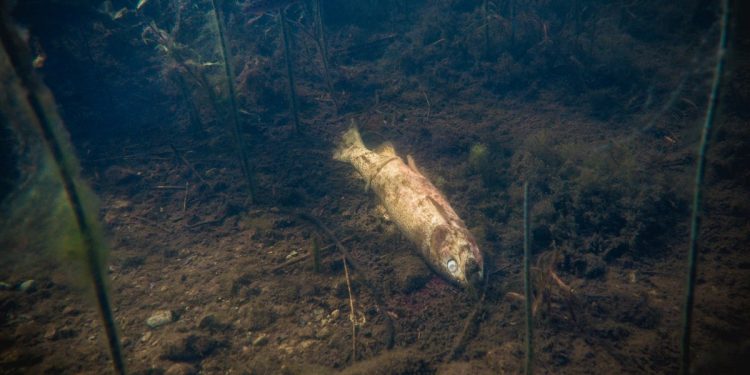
pixel 283 24
pixel 687 309
pixel 528 366
pixel 55 210
pixel 237 131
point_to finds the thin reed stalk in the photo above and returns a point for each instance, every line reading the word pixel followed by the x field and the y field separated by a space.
pixel 323 46
pixel 235 117
pixel 352 313
pixel 687 310
pixel 39 104
pixel 527 281
pixel 289 70
pixel 486 16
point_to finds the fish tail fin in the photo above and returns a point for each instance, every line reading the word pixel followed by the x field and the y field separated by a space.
pixel 349 141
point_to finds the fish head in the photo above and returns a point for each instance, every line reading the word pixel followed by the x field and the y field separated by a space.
pixel 458 257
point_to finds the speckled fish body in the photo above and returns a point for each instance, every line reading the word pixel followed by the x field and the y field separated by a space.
pixel 418 208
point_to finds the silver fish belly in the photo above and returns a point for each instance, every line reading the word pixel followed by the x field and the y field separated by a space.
pixel 418 208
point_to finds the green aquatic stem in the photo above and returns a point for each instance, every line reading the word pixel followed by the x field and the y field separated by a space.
pixel 687 310
pixel 35 109
pixel 235 118
pixel 323 45
pixel 527 282
pixel 289 70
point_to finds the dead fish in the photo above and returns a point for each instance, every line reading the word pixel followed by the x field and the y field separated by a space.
pixel 418 208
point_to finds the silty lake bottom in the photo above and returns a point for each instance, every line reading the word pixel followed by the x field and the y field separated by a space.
pixel 598 105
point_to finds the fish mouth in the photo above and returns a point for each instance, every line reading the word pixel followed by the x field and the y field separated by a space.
pixel 474 275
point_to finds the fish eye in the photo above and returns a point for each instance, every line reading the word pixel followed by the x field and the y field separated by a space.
pixel 452 266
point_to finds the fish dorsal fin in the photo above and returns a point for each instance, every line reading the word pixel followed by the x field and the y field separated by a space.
pixel 412 164
pixel 386 149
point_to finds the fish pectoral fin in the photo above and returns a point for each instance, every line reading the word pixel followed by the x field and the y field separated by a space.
pixel 412 164
pixel 386 149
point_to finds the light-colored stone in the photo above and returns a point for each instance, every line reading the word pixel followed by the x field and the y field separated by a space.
pixel 27 286
pixel 323 333
pixel 335 314
pixel 159 318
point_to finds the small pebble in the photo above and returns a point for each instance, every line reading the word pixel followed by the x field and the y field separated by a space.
pixel 159 318
pixel 146 336
pixel 318 313
pixel 27 286
pixel 323 333
pixel 292 254
pixel 181 369
pixel 335 314
pixel 70 310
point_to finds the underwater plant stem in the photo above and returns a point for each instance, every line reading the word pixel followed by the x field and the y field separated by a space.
pixel 323 46
pixel 486 16
pixel 352 313
pixel 49 127
pixel 527 280
pixel 289 70
pixel 377 294
pixel 512 22
pixel 687 310
pixel 235 117
pixel 316 255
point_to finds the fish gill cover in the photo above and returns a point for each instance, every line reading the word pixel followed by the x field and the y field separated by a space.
pixel 597 105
